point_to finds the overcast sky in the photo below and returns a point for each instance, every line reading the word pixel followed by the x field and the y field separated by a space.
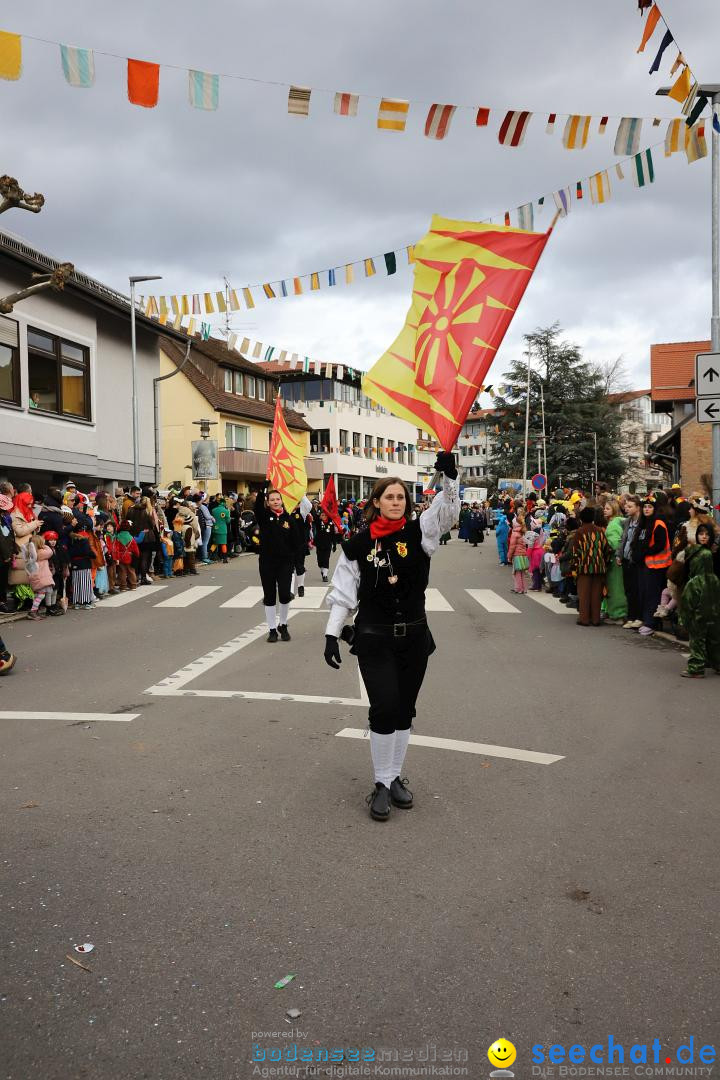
pixel 254 194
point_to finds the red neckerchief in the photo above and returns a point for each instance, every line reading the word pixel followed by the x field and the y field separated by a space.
pixel 380 527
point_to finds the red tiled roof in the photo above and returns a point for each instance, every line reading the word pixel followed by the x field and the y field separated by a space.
pixel 626 395
pixel 672 369
pixel 233 404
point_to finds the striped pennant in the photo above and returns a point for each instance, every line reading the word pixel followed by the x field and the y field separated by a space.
pixel 306 365
pixel 185 306
pixel 269 353
pixel 163 305
pixel 652 20
pixel 643 171
pixel 392 114
pixel 577 129
pixel 673 145
pixel 550 126
pixel 283 288
pixel 221 303
pixel 438 121
pixel 196 308
pixel 526 217
pixel 205 329
pixel 695 144
pixel 331 277
pixel 369 267
pixel 513 128
pixel 174 304
pixel 680 59
pixel 689 103
pixel 579 190
pixel 203 90
pixel 248 298
pixel 315 282
pixel 10 55
pixel 234 302
pixel 209 309
pixel 232 340
pixel 600 187
pixel 257 350
pixel 627 140
pixel 602 126
pixel 245 345
pixel 190 329
pixel 297 286
pixel 339 372
pixel 269 291
pixel 483 117
pixel 318 366
pixel 78 65
pixel 346 104
pixel 349 274
pixel 619 171
pixel 299 100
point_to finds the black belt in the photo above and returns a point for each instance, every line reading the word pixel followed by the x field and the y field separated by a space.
pixel 397 630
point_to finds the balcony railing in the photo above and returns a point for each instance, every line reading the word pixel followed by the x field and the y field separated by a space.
pixel 254 464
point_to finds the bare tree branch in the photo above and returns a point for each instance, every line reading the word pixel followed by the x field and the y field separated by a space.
pixel 14 196
pixel 56 280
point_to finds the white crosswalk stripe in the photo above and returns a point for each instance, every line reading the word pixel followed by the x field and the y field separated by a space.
pixel 435 601
pixel 188 596
pixel 144 592
pixel 549 602
pixel 246 598
pixel 492 602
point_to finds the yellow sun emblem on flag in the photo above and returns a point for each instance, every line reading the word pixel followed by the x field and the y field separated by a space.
pixel 449 325
pixel 401 550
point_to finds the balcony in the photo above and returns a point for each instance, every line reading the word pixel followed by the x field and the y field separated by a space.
pixel 253 464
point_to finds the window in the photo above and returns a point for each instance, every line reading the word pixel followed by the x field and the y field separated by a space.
pixel 250 385
pixel 380 446
pixel 237 437
pixel 227 380
pixel 9 361
pixel 320 441
pixel 368 446
pixel 356 441
pixel 238 382
pixel 58 375
pixel 411 455
pixel 261 389
pixel 343 439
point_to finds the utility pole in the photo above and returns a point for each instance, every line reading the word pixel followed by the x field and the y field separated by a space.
pixel 133 352
pixel 596 464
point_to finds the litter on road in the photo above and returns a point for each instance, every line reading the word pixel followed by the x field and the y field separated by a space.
pixel 284 981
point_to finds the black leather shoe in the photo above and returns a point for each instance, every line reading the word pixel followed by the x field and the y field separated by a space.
pixel 272 637
pixel 379 803
pixel 284 633
pixel 399 794
pixel 301 590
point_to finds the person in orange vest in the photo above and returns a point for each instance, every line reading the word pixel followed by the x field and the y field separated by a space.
pixel 652 554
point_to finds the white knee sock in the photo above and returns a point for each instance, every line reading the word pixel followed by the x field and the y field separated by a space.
pixel 283 614
pixel 381 749
pixel 300 581
pixel 402 738
pixel 270 615
pixel 324 575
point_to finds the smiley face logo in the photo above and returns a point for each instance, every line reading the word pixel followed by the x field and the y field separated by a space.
pixel 502 1053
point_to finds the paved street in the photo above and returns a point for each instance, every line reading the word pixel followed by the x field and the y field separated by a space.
pixel 207 832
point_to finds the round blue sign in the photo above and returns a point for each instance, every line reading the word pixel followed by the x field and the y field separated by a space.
pixel 539 481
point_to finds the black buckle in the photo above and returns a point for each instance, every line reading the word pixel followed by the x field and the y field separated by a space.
pixel 399 629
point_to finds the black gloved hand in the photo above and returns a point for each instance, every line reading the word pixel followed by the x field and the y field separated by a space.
pixel 445 464
pixel 332 651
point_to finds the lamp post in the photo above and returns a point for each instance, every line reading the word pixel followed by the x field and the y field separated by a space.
pixel 135 425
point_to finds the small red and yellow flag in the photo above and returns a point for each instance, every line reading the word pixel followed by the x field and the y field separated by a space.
pixel 286 464
pixel 469 280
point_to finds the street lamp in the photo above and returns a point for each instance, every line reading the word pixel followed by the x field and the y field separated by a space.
pixel 136 450
pixel 711 92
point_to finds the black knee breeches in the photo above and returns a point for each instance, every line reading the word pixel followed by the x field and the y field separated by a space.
pixel 276 578
pixel 393 674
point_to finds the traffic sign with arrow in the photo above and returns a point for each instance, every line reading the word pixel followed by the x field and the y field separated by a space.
pixel 707 410
pixel 707 374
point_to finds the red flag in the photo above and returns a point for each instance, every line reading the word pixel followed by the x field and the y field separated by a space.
pixel 329 504
pixel 286 464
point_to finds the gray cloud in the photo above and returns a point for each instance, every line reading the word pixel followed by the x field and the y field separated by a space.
pixel 255 194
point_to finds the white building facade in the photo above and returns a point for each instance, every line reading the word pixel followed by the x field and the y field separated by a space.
pixel 359 442
pixel 475 447
pixel 66 380
pixel 640 427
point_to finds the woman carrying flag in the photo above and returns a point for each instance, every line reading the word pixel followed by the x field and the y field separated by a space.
pixel 382 574
pixel 280 544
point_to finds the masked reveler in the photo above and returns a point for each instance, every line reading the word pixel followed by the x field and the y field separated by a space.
pixel 382 574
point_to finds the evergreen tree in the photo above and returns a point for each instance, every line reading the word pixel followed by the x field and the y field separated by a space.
pixel 576 406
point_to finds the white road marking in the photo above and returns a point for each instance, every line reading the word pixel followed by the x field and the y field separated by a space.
pixel 492 602
pixel 435 601
pixel 485 749
pixel 257 695
pixel 144 592
pixel 247 598
pixel 549 602
pixel 188 596
pixel 88 717
pixel 204 663
pixel 313 598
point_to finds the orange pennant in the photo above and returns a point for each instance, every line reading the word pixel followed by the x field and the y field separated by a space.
pixel 652 20
pixel 143 83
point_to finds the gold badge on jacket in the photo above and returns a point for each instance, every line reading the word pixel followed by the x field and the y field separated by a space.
pixel 401 550
pixel 286 524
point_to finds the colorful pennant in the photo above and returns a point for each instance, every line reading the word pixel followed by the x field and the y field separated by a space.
pixel 143 83
pixel 10 56
pixel 78 66
pixel 627 140
pixel 577 129
pixel 392 114
pixel 438 120
pixel 643 171
pixel 346 104
pixel 513 128
pixel 600 187
pixel 203 90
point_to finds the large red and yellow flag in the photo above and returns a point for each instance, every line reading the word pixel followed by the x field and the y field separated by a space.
pixel 469 280
pixel 286 464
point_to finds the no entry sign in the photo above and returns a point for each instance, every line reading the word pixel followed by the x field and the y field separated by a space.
pixel 539 481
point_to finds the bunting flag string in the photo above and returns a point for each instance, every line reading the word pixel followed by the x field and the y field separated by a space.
pixel 684 90
pixel 393 113
pixel 641 163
